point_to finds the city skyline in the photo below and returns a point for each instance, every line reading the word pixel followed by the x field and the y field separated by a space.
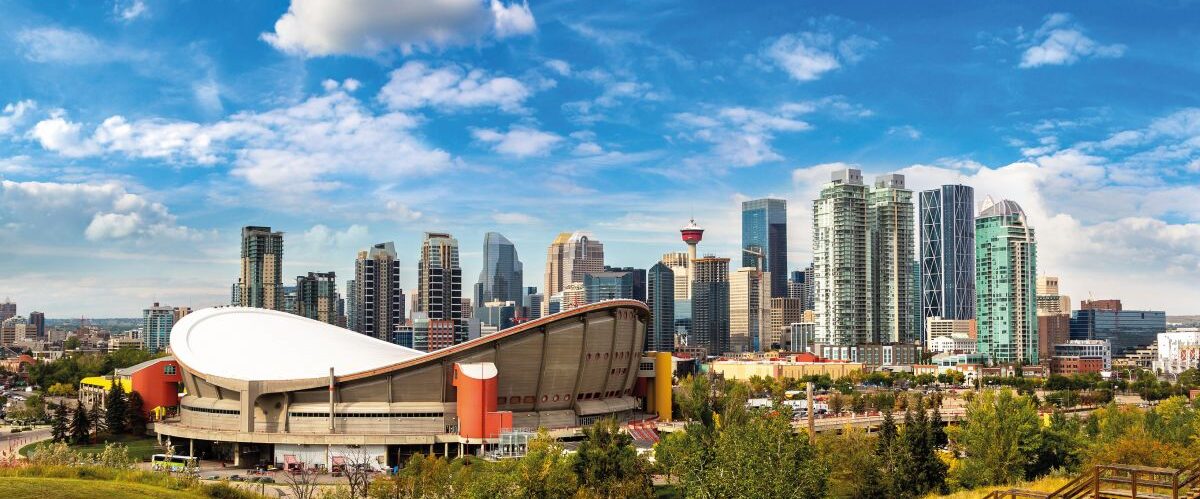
pixel 593 122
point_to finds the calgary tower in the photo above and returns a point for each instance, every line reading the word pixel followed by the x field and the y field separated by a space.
pixel 692 234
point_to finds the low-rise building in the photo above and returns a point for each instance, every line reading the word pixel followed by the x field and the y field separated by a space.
pixel 1067 366
pixel 745 369
pixel 1178 351
pixel 953 345
pixel 937 327
pixel 1086 349
pixel 872 354
pixel 157 381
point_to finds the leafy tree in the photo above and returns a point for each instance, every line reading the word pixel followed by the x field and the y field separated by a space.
pixel 545 471
pixel 999 439
pixel 61 390
pixel 608 465
pixel 72 343
pixel 81 426
pixel 763 457
pixel 685 456
pixel 60 427
pixel 115 406
pixel 696 400
pixel 836 403
pixel 1061 447
pixel 852 463
pixel 135 415
pixel 858 403
pixel 937 430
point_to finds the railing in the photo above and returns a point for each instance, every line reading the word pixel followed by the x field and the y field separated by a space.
pixel 1119 480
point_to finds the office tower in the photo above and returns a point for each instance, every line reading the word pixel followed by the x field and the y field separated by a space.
pixel 339 311
pixel 405 332
pixel 1006 284
pixel 783 313
pixel 749 297
pixel 431 334
pixel 841 285
pixel 498 314
pixel 801 336
pixel 890 226
pixel 947 256
pixel 262 269
pixel 691 234
pixel 764 232
pixel 677 261
pixel 181 312
pixel 378 299
pixel 289 299
pixel 439 284
pixel 157 322
pixel 710 305
pixel 1109 305
pixel 501 278
pixel 600 286
pixel 351 305
pixel 1126 330
pixel 235 295
pixel 569 257
pixel 554 303
pixel 317 297
pixel 639 280
pixel 660 298
pixel 38 321
pixel 916 320
pixel 8 310
pixel 572 296
pixel 533 305
pixel 795 285
pixel 468 309
pixel 1049 300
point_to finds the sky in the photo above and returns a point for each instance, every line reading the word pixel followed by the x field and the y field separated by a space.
pixel 138 136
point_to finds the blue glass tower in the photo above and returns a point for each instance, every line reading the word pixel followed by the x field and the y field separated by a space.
pixel 947 257
pixel 764 235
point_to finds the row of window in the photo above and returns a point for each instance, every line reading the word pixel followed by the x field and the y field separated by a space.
pixel 529 399
pixel 211 411
pixel 367 414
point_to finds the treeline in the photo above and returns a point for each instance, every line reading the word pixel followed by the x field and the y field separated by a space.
pixel 122 415
pixel 70 368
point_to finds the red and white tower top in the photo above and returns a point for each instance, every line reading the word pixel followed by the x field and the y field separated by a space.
pixel 691 232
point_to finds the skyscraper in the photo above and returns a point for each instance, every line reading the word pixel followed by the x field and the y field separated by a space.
pixel 378 300
pixel 947 256
pixel 261 283
pixel 38 321
pixel 660 297
pixel 157 322
pixel 317 296
pixel 1006 283
pixel 502 275
pixel 764 232
pixel 1049 300
pixel 600 286
pixel 639 280
pixel 569 257
pixel 677 261
pixel 439 284
pixel 890 221
pixel 749 315
pixel 351 305
pixel 784 312
pixel 710 305
pixel 841 284
pixel 8 310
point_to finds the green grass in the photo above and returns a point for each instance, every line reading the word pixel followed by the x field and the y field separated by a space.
pixel 1048 484
pixel 68 488
pixel 140 448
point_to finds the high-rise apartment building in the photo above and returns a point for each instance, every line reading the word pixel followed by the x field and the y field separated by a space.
pixel 749 315
pixel 890 227
pixel 947 259
pixel 784 312
pixel 1049 300
pixel 569 258
pixel 764 232
pixel 677 261
pixel 1006 284
pixel 378 304
pixel 439 283
pixel 841 283
pixel 660 298
pixel 157 322
pixel 800 287
pixel 8 310
pixel 502 276
pixel 261 284
pixel 351 305
pixel 317 297
pixel 710 305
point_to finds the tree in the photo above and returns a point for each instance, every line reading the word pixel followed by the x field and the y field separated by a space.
pixel 937 429
pixel 608 465
pixel 61 390
pixel 81 426
pixel 1061 446
pixel 545 471
pixel 96 416
pixel 763 457
pixel 836 403
pixel 135 415
pixel 858 403
pixel 72 343
pixel 115 409
pixel 60 427
pixel 853 464
pixel 696 400
pixel 999 439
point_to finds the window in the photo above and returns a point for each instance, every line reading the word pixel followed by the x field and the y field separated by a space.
pixel 169 369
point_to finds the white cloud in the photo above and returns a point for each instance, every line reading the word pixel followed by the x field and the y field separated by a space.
pixel 559 66
pixel 518 141
pixel 417 85
pixel 1059 41
pixel 66 46
pixel 64 137
pixel 742 136
pixel 105 211
pixel 14 115
pixel 129 11
pixel 315 28
pixel 907 131
pixel 808 55
pixel 616 92
pixel 587 149
pixel 513 218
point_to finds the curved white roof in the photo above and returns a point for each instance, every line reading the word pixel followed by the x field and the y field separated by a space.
pixel 265 345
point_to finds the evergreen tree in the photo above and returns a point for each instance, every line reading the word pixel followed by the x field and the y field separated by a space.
pixel 115 409
pixel 135 415
pixel 935 468
pixel 937 430
pixel 60 424
pixel 608 464
pixel 95 416
pixel 81 426
pixel 885 451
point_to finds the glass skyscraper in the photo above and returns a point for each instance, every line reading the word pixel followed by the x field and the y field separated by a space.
pixel 1124 329
pixel 660 297
pixel 764 233
pixel 501 278
pixel 948 252
pixel 1006 287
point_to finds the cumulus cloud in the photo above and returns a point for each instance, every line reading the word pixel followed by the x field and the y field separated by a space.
pixel 808 55
pixel 1060 41
pixel 98 212
pixel 416 84
pixel 518 141
pixel 617 90
pixel 14 115
pixel 315 28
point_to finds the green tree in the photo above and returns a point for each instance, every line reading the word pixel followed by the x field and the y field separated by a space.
pixel 135 415
pixel 763 457
pixel 81 426
pixel 95 415
pixel 115 406
pixel 696 400
pixel 836 403
pixel 72 343
pixel 60 424
pixel 999 439
pixel 853 464
pixel 545 471
pixel 1061 446
pixel 608 465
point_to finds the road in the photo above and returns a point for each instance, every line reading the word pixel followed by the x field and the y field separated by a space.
pixel 12 442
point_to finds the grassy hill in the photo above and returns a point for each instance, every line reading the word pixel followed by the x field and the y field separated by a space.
pixel 1049 484
pixel 70 488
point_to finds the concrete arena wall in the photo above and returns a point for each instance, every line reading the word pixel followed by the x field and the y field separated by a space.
pixel 551 373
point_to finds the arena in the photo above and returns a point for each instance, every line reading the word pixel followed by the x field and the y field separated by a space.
pixel 270 387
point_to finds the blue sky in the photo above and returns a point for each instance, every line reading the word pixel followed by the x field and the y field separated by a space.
pixel 138 136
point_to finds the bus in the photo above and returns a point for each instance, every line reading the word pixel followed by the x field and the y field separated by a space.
pixel 174 464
